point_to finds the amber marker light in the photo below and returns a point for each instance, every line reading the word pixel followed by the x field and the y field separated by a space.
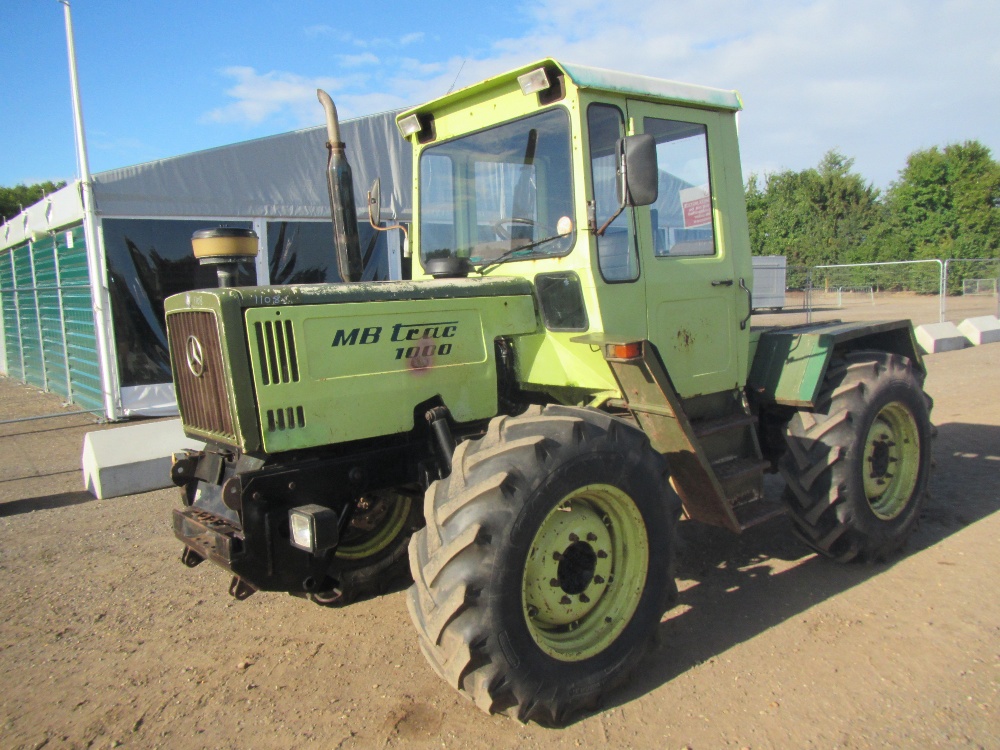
pixel 632 350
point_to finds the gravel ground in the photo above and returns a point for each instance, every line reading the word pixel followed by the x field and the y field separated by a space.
pixel 108 641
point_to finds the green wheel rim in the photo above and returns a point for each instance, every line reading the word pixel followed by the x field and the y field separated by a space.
pixel 585 572
pixel 361 543
pixel 891 460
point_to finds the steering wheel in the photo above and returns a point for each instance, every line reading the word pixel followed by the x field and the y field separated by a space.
pixel 503 226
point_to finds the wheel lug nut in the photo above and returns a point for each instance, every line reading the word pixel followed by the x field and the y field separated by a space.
pixel 574 538
pixel 601 554
pixel 555 582
pixel 598 579
pixel 591 536
pixel 557 556
pixel 565 600
pixel 584 598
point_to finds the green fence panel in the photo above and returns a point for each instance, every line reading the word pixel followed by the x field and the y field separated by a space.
pixel 8 308
pixel 50 316
pixel 27 307
pixel 78 311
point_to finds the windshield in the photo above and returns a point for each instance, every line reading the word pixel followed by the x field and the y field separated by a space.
pixel 500 194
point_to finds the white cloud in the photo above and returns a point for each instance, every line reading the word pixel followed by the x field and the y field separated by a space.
pixel 357 105
pixel 260 96
pixel 357 61
pixel 875 80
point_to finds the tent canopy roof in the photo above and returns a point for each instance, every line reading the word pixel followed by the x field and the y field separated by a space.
pixel 282 176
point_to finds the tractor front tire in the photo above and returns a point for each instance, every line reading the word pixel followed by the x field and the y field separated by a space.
pixel 372 555
pixel 857 466
pixel 546 562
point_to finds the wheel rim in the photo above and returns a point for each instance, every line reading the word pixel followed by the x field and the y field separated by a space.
pixel 379 520
pixel 585 572
pixel 891 460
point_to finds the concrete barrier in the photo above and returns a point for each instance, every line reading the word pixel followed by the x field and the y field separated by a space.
pixel 133 458
pixel 939 337
pixel 982 330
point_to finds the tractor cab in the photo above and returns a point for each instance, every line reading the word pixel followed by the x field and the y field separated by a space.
pixel 538 173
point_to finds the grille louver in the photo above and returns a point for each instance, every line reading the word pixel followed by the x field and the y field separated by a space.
pixel 276 352
pixel 289 418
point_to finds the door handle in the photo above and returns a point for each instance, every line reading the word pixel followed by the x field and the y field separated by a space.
pixel 745 288
pixel 722 282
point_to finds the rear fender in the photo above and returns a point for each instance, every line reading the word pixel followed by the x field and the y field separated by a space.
pixel 790 363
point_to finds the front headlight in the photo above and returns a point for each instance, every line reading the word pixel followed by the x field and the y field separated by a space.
pixel 314 528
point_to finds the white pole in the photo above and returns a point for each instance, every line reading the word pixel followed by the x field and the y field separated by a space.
pixel 95 262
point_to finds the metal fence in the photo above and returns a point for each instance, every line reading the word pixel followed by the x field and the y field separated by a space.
pixel 48 318
pixel 970 288
pixel 925 291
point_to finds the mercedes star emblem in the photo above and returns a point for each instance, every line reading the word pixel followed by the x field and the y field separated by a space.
pixel 195 357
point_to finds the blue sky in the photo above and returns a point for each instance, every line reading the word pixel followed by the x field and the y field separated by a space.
pixel 875 79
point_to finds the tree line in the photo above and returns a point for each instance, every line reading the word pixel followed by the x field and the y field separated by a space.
pixel 15 199
pixel 945 204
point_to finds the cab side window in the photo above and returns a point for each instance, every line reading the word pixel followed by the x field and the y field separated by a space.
pixel 617 254
pixel 682 215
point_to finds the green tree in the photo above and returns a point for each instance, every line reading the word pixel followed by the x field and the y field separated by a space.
pixel 13 199
pixel 946 204
pixel 818 216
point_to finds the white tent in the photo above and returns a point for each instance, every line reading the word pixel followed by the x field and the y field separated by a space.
pixel 114 362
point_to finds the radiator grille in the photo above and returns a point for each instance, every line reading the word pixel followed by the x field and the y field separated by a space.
pixel 203 398
pixel 276 352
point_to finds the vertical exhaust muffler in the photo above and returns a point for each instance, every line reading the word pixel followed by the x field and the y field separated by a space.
pixel 339 182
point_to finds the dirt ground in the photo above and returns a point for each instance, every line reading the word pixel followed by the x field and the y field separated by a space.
pixel 922 309
pixel 108 641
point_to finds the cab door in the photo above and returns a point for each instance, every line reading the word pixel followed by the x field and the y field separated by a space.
pixel 696 297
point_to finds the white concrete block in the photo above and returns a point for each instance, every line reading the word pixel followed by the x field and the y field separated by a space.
pixel 131 459
pixel 982 330
pixel 939 337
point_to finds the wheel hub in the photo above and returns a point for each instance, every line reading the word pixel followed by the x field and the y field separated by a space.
pixel 577 567
pixel 585 572
pixel 891 460
pixel 378 519
pixel 568 566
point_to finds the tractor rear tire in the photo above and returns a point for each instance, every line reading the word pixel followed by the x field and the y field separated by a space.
pixel 546 562
pixel 858 464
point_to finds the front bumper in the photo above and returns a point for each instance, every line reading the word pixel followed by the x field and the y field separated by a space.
pixel 236 510
pixel 209 536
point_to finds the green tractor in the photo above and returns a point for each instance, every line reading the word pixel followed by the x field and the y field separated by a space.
pixel 524 421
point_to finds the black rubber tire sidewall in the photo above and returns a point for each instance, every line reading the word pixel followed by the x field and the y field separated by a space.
pixel 865 521
pixel 524 657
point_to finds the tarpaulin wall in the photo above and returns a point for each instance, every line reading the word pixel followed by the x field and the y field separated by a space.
pixel 150 259
pixel 48 317
pixel 143 218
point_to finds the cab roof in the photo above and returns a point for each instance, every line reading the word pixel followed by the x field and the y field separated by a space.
pixel 587 77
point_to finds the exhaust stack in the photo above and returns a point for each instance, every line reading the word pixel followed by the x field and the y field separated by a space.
pixel 340 184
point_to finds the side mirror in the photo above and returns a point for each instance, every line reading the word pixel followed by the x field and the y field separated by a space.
pixel 375 214
pixel 375 203
pixel 638 174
